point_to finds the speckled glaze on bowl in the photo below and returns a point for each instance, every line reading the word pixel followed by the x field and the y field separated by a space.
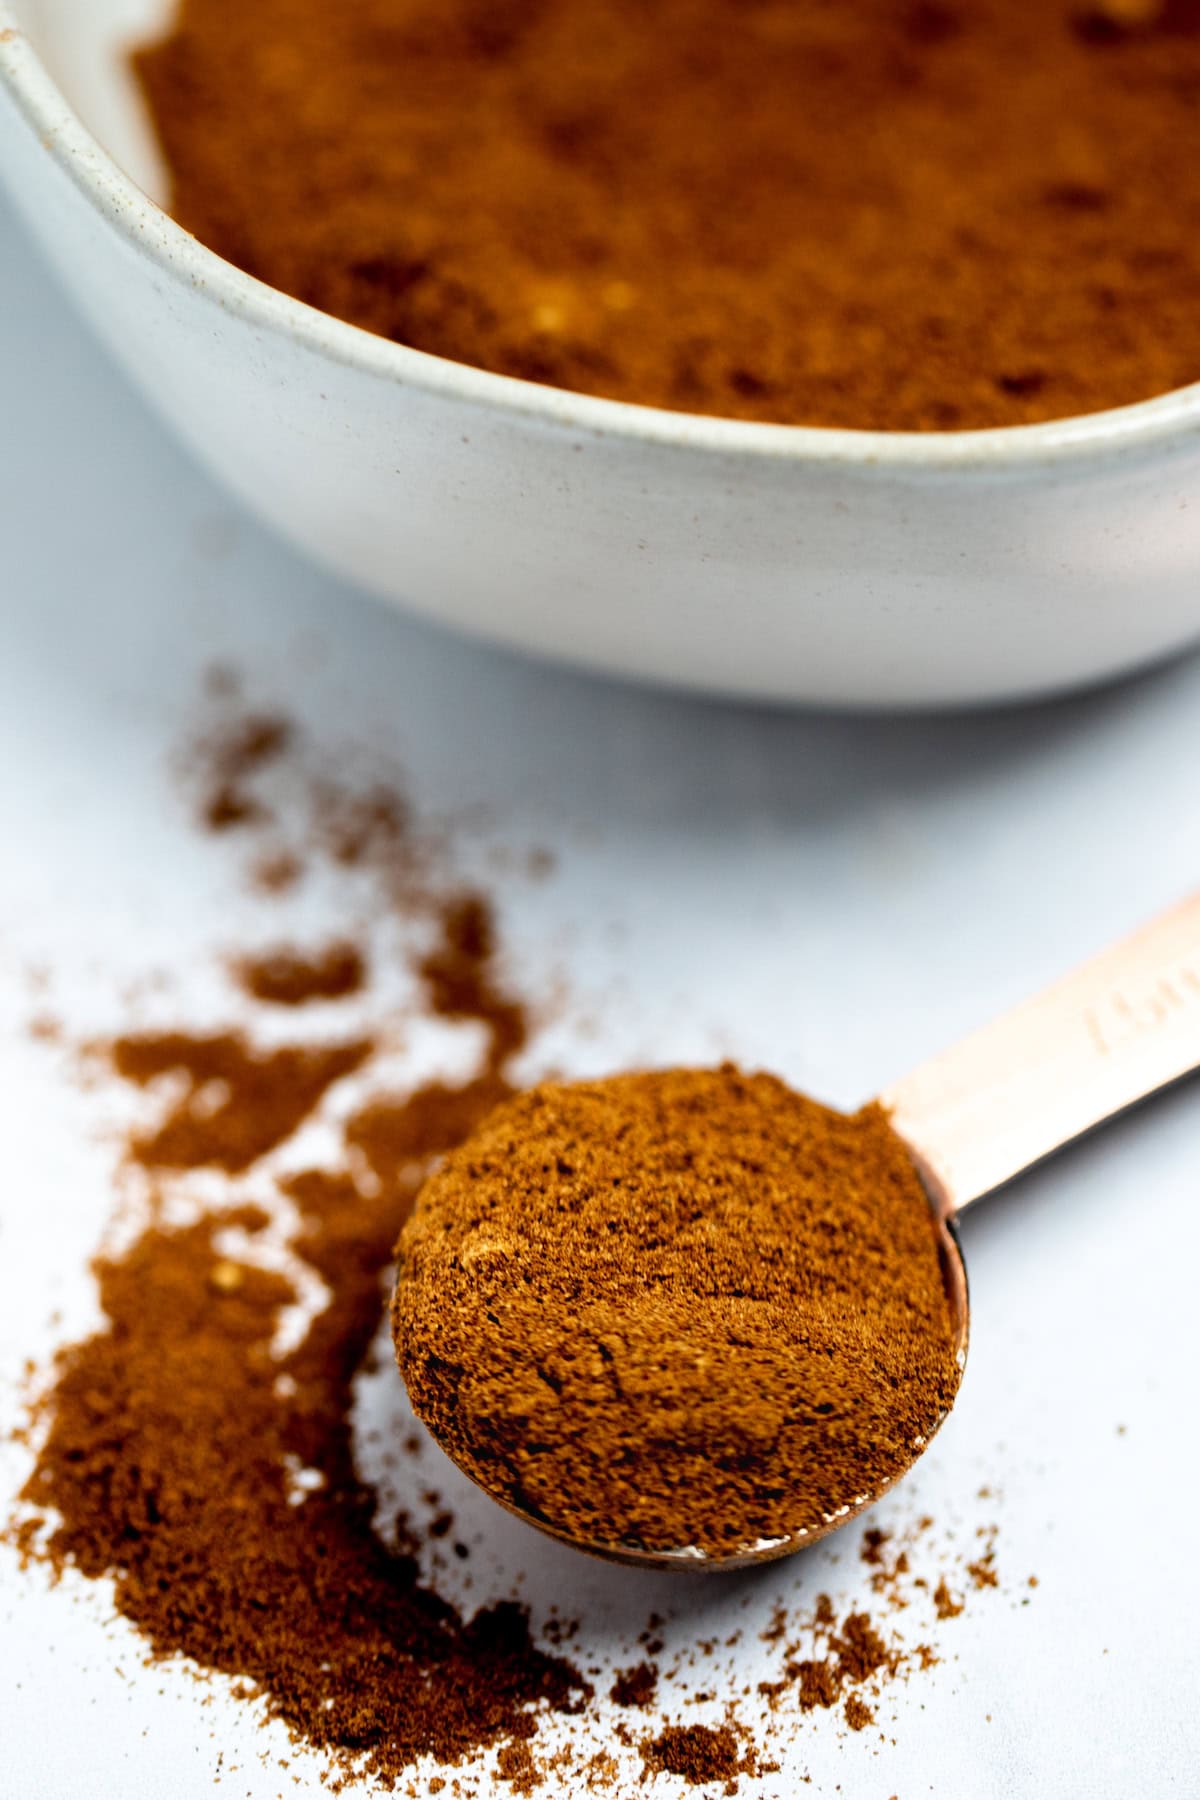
pixel 787 563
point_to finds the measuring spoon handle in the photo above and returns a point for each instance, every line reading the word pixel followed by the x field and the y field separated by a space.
pixel 1104 1037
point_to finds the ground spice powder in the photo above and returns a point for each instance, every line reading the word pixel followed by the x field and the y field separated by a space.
pixel 676 1309
pixel 213 1482
pixel 636 1686
pixel 175 1435
pixel 239 1102
pixel 167 1464
pixel 902 214
pixel 238 752
pixel 700 1753
pixel 290 977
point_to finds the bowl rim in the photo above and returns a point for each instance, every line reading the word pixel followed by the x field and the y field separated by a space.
pixel 151 232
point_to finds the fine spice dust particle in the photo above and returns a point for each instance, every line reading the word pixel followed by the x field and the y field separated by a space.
pixel 230 757
pixel 636 1686
pixel 858 1714
pixel 289 977
pixel 276 872
pixel 827 1663
pixel 515 1765
pixel 947 1606
pixel 699 1753
pixel 982 1570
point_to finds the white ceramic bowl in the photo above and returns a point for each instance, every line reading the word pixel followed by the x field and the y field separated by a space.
pixel 836 567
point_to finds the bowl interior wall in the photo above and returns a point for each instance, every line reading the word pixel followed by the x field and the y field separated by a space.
pixel 84 45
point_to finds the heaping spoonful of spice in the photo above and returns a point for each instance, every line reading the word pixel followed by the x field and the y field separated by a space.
pixel 693 1319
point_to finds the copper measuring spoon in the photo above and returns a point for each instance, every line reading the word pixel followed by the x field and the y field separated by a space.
pixel 1117 1030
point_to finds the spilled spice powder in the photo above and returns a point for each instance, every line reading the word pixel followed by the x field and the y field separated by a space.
pixel 699 1753
pixel 947 1606
pixel 861 1651
pixel 276 872
pixel 858 1714
pixel 851 1663
pixel 213 1480
pixel 357 829
pixel 166 1465
pixel 230 757
pixel 636 1686
pixel 173 1434
pixel 394 1136
pixel 687 1308
pixel 983 1569
pixel 458 974
pixel 844 1658
pixel 515 1765
pixel 240 1102
pixel 287 977
pixel 173 1431
pixel 888 1563
pixel 819 1684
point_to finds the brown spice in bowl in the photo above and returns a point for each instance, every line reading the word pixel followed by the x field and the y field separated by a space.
pixel 900 214
pixel 680 1309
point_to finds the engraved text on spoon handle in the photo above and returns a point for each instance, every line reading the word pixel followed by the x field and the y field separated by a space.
pixel 1119 1028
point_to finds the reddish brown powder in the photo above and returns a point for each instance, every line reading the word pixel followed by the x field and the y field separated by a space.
pixel 173 1435
pixel 874 1542
pixel 850 1656
pixel 888 1563
pixel 357 828
pixel 393 1134
pixel 906 214
pixel 947 1606
pixel 860 1650
pixel 276 872
pixel 287 977
pixel 167 1465
pixel 699 1753
pixel 460 983
pixel 636 1686
pixel 982 1570
pixel 819 1684
pixel 515 1765
pixel 829 1663
pixel 229 758
pixel 458 976
pixel 173 1430
pixel 675 1309
pixel 239 1102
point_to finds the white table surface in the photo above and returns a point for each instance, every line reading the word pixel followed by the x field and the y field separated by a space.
pixel 830 897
